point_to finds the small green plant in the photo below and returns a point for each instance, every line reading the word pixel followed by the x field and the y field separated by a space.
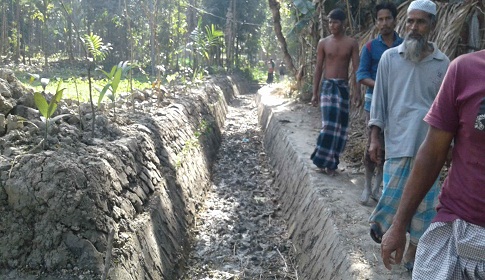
pixel 171 80
pixel 48 109
pixel 33 77
pixel 204 128
pixel 193 142
pixel 114 78
pixel 189 145
pixel 96 50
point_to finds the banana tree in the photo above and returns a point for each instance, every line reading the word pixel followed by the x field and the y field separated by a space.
pixel 203 42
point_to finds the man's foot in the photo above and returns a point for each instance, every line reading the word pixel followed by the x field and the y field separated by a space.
pixel 330 172
pixel 376 233
pixel 375 195
pixel 364 197
pixel 369 173
pixel 321 170
pixel 408 259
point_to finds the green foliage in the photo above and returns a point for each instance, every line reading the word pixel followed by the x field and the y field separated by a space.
pixel 113 78
pixel 304 6
pixel 95 46
pixel 257 74
pixel 204 41
pixel 204 128
pixel 247 73
pixel 49 29
pixel 96 51
pixel 73 79
pixel 13 37
pixel 305 10
pixel 33 77
pixel 172 78
pixel 193 143
pixel 47 109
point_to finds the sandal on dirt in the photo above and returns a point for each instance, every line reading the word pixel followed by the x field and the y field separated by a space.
pixel 409 266
pixel 376 233
pixel 374 197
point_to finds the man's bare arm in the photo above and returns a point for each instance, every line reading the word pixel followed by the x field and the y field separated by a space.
pixel 428 163
pixel 375 149
pixel 356 96
pixel 368 82
pixel 317 75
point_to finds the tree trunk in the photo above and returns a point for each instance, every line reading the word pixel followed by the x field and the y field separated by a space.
pixel 19 28
pixel 274 5
pixel 177 39
pixel 151 14
pixel 70 41
pixel 45 33
pixel 4 36
pixel 230 35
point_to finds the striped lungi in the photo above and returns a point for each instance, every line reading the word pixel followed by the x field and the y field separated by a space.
pixel 396 172
pixel 453 250
pixel 334 104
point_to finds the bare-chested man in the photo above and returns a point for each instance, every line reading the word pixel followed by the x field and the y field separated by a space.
pixel 334 54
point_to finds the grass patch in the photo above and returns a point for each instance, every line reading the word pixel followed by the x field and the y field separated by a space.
pixel 72 80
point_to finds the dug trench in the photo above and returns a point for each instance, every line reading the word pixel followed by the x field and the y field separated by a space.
pixel 157 179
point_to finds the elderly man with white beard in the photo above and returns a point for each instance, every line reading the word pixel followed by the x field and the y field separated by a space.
pixel 408 79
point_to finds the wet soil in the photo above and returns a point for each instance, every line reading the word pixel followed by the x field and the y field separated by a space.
pixel 240 233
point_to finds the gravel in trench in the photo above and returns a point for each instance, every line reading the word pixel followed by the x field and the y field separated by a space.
pixel 240 232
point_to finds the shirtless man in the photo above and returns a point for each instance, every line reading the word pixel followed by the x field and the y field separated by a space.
pixel 334 54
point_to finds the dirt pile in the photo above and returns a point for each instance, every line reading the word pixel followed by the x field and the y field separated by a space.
pixel 142 175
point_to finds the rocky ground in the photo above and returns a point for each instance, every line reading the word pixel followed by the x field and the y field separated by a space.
pixel 240 233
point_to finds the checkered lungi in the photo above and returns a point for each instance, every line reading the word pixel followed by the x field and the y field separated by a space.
pixel 334 104
pixel 454 250
pixel 396 172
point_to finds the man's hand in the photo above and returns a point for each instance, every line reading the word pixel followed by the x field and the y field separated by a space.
pixel 393 241
pixel 375 146
pixel 356 99
pixel 448 157
pixel 315 100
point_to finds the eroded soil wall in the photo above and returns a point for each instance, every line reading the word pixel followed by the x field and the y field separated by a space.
pixel 320 254
pixel 144 180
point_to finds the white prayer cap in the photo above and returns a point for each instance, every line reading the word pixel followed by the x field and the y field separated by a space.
pixel 423 5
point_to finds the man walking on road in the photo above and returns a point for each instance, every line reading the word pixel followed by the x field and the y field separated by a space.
pixel 334 54
pixel 372 51
pixel 453 247
pixel 408 79
pixel 271 66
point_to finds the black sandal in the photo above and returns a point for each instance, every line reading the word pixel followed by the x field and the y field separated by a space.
pixel 376 233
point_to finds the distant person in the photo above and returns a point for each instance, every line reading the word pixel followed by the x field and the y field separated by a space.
pixel 334 54
pixel 408 79
pixel 453 247
pixel 282 70
pixel 271 66
pixel 385 16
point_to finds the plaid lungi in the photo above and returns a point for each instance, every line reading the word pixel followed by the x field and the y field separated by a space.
pixel 454 250
pixel 396 172
pixel 334 104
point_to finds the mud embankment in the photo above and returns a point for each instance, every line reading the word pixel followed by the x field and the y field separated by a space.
pixel 142 176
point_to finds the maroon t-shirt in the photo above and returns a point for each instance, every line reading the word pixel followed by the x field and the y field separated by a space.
pixel 460 108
